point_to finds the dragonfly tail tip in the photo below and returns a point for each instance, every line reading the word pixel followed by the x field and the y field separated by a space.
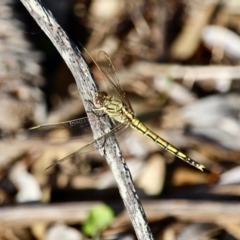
pixel 52 165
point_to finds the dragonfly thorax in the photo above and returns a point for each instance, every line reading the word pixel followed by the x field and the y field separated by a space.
pixel 113 107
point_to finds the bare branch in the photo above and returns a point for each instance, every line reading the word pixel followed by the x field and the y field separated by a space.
pixel 204 212
pixel 87 88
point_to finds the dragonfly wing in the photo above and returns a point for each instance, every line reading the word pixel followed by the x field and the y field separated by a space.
pixel 109 73
pixel 86 149
pixel 96 144
pixel 62 130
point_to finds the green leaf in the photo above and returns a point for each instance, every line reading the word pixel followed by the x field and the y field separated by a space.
pixel 99 218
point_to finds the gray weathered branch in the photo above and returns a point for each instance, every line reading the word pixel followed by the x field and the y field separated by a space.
pixel 87 88
pixel 204 212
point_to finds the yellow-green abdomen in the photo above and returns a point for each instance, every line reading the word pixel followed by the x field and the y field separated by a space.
pixel 136 124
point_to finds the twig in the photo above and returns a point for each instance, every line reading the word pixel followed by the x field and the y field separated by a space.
pixel 188 73
pixel 87 88
pixel 184 210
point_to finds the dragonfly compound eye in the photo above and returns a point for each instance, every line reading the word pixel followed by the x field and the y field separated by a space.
pixel 100 97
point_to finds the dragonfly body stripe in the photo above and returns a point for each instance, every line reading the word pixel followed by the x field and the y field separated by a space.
pixel 166 145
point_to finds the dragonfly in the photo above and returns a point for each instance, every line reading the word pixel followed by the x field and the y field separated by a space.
pixel 120 111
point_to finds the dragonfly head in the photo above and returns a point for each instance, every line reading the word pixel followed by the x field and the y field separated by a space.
pixel 100 98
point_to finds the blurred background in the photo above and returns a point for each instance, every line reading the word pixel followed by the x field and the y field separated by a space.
pixel 178 61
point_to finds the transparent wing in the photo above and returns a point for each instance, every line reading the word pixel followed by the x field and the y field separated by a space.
pixel 109 73
pixel 62 130
pixel 96 144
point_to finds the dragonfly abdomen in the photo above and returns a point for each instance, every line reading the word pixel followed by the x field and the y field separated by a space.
pixel 136 124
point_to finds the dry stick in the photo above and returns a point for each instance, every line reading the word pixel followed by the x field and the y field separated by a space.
pixel 87 88
pixel 222 213
pixel 188 73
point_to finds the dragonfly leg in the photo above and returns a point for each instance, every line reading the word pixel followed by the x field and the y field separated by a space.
pixel 91 103
pixel 97 115
pixel 99 109
pixel 95 109
pixel 113 121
